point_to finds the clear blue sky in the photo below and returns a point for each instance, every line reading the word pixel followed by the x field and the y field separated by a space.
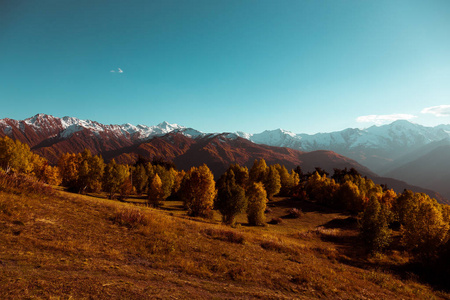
pixel 305 66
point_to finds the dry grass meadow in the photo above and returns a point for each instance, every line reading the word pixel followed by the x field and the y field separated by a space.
pixel 57 245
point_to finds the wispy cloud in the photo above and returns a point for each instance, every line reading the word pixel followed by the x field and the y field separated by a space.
pixel 438 111
pixel 384 119
pixel 119 70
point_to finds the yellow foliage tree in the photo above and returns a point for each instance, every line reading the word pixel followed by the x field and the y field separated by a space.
pixel 257 199
pixel 424 229
pixel 272 182
pixel 258 171
pixel 198 191
pixel 156 194
pixel 114 176
pixel 321 188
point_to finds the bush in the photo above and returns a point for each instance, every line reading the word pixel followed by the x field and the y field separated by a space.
pixel 276 221
pixel 294 213
pixel 129 217
pixel 23 184
pixel 225 235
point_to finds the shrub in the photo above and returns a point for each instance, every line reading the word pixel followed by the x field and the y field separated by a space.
pixel 294 213
pixel 277 246
pixel 225 235
pixel 23 184
pixel 276 221
pixel 129 217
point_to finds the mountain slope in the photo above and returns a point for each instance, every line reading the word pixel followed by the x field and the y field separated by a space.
pixel 432 170
pixel 56 245
pixel 375 147
pixel 218 151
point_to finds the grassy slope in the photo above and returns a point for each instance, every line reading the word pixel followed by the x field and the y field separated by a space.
pixel 56 245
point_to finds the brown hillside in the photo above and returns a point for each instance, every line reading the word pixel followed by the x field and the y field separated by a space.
pixel 65 246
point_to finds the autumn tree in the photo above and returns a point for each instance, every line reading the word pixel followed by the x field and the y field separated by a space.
pixel 198 191
pixel 50 174
pixel 140 179
pixel 178 179
pixel 374 226
pixel 231 199
pixel 17 157
pixel 286 180
pixel 348 196
pixel 258 171
pixel 68 165
pixel 403 206
pixel 257 199
pixel 82 172
pixel 167 179
pixel 114 176
pixel 424 229
pixel 241 174
pixel 156 192
pixel 388 198
pixel 95 175
pixel 272 182
pixel 321 188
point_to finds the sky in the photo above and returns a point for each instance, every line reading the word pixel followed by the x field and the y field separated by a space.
pixel 306 66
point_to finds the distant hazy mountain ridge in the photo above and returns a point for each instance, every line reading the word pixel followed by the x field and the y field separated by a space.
pixel 374 147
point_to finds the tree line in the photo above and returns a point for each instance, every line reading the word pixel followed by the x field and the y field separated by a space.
pixel 420 223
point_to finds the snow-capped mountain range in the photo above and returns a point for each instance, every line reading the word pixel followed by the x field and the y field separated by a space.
pixel 383 149
pixel 399 133
pixel 67 126
pixel 375 147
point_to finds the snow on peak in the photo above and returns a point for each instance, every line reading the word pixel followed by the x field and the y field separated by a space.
pixel 38 120
pixel 191 133
pixel 277 137
pixel 167 127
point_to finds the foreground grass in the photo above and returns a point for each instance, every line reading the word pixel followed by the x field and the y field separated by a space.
pixel 56 245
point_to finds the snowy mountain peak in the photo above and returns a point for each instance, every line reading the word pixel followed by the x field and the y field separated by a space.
pixel 167 127
pixel 39 119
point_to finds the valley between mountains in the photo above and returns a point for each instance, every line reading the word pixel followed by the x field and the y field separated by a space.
pixel 406 155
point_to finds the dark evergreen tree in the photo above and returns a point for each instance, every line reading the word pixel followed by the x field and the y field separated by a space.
pixel 231 199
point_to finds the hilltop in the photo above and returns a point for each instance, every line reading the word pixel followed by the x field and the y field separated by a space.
pixel 57 244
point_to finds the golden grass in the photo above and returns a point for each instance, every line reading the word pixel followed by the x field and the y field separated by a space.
pixel 65 246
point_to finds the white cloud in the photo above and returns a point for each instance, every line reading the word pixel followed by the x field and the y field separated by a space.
pixel 119 70
pixel 438 111
pixel 384 119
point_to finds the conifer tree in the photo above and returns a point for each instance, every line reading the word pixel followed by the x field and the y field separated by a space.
pixel 286 180
pixel 114 176
pixel 140 179
pixel 241 174
pixel 198 191
pixel 258 171
pixel 167 179
pixel 257 199
pixel 374 226
pixel 68 165
pixel 272 182
pixel 231 199
pixel 156 192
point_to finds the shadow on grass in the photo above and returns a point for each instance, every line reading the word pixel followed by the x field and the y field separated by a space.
pixel 338 223
pixel 304 205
